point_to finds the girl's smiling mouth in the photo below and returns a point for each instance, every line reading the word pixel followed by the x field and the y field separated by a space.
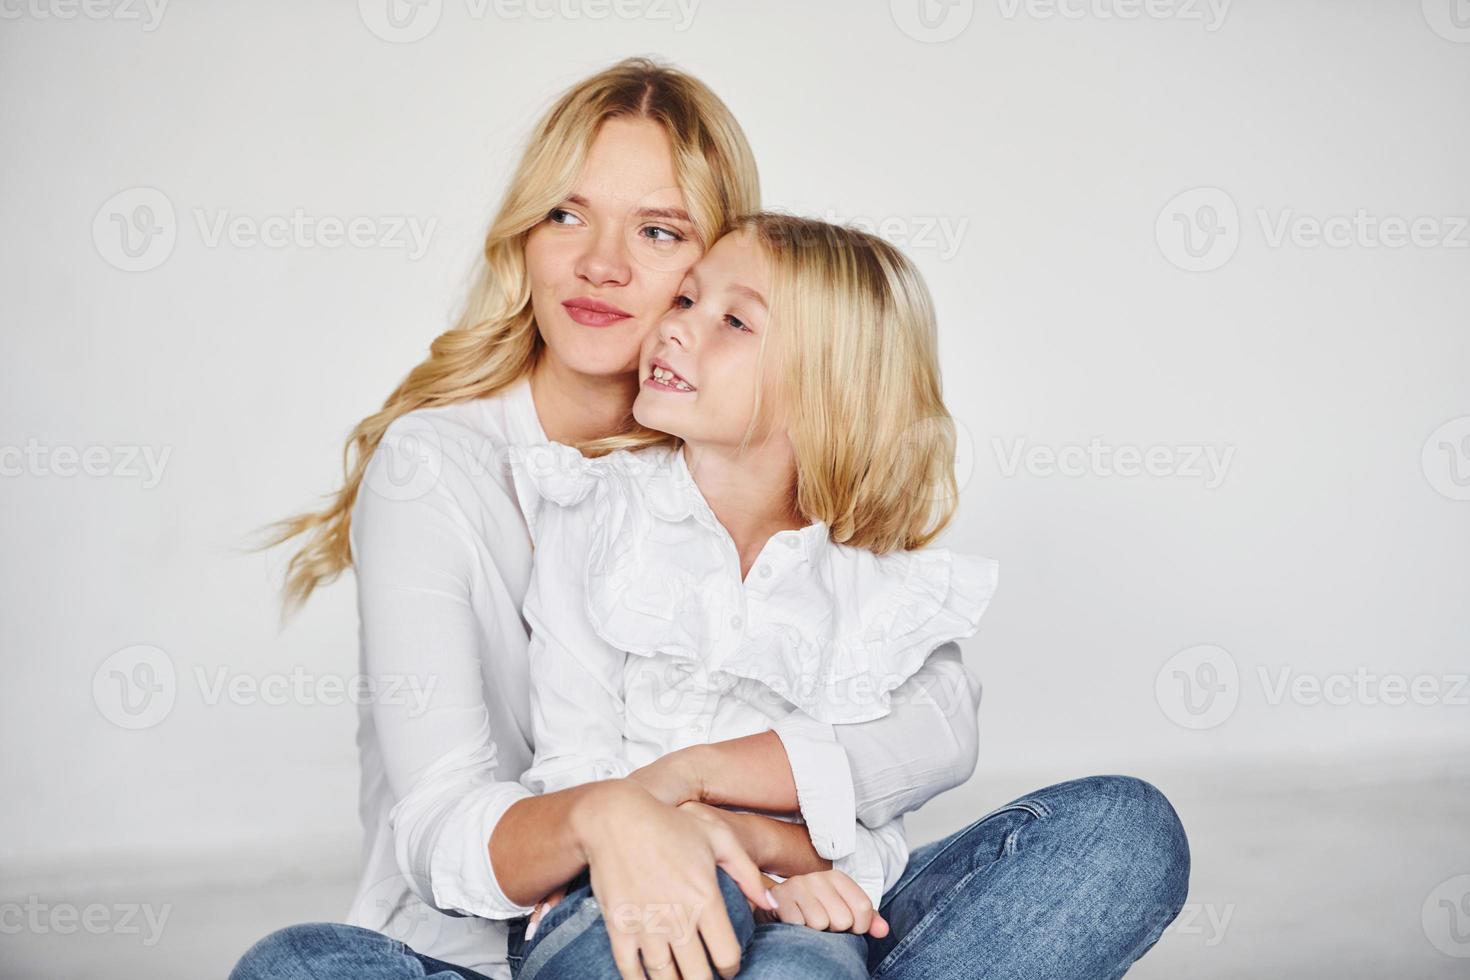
pixel 665 378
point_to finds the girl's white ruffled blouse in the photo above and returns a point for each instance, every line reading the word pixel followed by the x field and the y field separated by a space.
pixel 645 639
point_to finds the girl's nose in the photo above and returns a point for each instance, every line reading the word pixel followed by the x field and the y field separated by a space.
pixel 673 329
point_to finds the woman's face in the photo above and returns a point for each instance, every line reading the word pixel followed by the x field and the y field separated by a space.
pixel 606 262
pixel 701 367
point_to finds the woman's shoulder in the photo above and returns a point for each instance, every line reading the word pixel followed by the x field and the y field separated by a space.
pixel 448 459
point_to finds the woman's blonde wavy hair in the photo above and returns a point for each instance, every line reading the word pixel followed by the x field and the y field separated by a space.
pixel 495 342
pixel 860 386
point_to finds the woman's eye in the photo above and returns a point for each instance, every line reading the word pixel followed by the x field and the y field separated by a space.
pixel 561 216
pixel 683 302
pixel 657 234
pixel 736 322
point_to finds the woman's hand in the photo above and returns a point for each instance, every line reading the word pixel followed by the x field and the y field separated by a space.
pixel 829 901
pixel 673 778
pixel 652 869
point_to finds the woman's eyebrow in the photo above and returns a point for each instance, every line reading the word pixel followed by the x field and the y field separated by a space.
pixel 668 214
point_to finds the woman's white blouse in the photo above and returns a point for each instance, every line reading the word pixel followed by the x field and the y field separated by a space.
pixel 645 639
pixel 442 558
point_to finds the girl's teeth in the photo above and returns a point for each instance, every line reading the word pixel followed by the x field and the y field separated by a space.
pixel 667 377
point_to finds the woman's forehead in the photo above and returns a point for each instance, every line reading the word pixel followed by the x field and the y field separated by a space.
pixel 630 166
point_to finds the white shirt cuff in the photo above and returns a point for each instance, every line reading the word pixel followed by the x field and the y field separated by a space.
pixel 865 866
pixel 824 789
pixel 461 879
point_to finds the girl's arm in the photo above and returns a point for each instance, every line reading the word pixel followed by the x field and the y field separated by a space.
pixel 873 772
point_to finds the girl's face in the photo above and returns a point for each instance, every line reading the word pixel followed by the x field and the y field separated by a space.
pixel 604 264
pixel 698 370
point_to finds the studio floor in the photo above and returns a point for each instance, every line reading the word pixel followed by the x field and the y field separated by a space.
pixel 1326 873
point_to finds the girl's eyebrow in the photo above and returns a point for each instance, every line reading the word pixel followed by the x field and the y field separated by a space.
pixel 668 214
pixel 750 294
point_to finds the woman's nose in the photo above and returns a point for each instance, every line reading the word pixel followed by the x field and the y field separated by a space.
pixel 605 261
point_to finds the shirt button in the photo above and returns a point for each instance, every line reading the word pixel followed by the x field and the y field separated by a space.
pixel 791 543
pixel 735 622
pixel 765 571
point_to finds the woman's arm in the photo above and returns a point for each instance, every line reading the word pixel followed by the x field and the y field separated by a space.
pixel 832 774
pixel 459 830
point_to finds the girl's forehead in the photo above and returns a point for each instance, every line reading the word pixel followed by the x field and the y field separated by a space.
pixel 737 255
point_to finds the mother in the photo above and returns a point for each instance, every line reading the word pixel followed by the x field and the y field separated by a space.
pixel 625 181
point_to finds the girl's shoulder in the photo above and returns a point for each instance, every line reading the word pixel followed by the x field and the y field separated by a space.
pixel 908 600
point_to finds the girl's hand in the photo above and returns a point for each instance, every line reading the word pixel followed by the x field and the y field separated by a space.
pixel 828 901
pixel 653 873
pixel 542 907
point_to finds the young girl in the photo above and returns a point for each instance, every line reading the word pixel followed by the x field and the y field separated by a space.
pixel 762 554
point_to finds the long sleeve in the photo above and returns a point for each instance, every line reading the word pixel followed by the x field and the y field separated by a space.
pixel 878 770
pixel 576 677
pixel 415 572
pixel 878 860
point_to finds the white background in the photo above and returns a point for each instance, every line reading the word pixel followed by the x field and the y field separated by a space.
pixel 1028 165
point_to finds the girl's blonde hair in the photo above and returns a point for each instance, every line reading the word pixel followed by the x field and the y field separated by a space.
pixel 495 342
pixel 874 443
pixel 861 394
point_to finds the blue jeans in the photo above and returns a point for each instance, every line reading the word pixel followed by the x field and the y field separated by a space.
pixel 1072 882
pixel 571 943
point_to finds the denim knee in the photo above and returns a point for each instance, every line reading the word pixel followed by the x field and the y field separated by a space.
pixel 1138 832
pixel 737 907
pixel 313 951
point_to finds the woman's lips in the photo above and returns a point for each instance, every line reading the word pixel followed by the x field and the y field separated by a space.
pixel 594 313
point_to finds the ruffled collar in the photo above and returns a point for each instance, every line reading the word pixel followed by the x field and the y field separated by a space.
pixel 830 628
pixel 673 495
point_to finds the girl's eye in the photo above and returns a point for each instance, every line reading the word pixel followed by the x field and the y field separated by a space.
pixel 736 323
pixel 683 302
pixel 561 216
pixel 657 234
